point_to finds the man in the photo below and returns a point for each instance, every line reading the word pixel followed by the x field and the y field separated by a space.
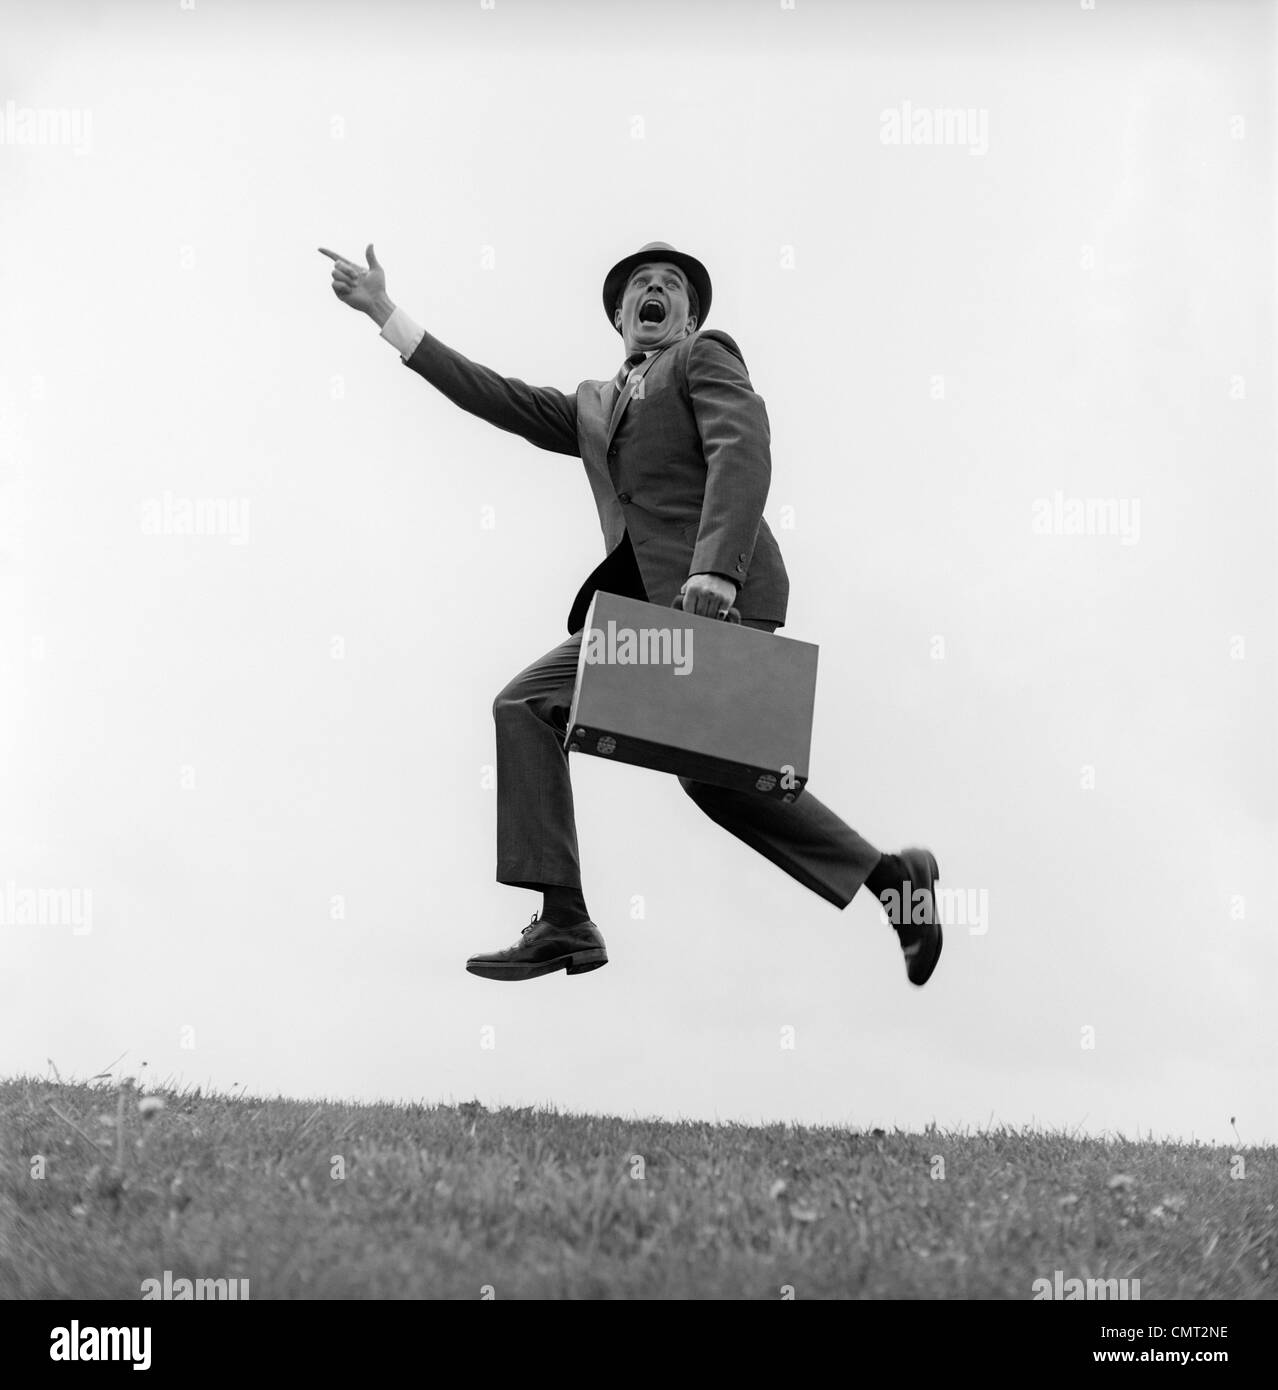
pixel 676 451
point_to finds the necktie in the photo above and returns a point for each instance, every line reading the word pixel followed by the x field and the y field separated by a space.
pixel 627 367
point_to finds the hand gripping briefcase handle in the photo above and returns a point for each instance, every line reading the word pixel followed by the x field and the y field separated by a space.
pixel 731 616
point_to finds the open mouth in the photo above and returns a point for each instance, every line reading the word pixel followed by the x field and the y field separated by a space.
pixel 652 311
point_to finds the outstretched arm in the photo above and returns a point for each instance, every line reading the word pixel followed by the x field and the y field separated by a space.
pixel 540 414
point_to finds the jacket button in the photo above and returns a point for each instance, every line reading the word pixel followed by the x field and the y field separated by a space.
pixel 740 569
pixel 612 453
pixel 741 556
pixel 623 498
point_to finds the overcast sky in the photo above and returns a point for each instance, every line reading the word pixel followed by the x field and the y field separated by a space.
pixel 261 756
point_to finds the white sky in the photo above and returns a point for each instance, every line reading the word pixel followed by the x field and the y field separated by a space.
pixel 1092 289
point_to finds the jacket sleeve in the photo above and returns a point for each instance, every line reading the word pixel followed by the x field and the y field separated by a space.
pixel 736 442
pixel 540 414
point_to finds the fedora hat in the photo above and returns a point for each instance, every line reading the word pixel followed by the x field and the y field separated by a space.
pixel 698 276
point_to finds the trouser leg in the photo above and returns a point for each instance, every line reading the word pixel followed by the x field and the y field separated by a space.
pixel 803 837
pixel 536 825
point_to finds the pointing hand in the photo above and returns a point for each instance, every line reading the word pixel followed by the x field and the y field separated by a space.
pixel 362 289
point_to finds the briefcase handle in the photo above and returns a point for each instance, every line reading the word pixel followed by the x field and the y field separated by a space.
pixel 731 616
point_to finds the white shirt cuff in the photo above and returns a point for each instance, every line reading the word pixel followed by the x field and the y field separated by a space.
pixel 402 333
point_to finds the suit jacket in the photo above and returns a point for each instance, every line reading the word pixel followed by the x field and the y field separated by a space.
pixel 679 463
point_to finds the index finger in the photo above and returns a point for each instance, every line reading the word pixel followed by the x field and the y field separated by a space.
pixel 324 251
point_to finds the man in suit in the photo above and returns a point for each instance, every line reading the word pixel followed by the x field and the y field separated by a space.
pixel 676 451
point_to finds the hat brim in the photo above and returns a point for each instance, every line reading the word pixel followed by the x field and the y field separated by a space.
pixel 698 278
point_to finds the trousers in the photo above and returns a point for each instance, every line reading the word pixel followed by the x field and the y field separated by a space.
pixel 536 820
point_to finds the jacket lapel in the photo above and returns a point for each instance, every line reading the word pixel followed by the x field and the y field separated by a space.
pixel 625 394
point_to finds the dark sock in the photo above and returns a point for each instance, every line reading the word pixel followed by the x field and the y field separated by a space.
pixel 562 906
pixel 886 876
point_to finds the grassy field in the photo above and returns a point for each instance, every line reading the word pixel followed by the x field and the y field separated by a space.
pixel 329 1200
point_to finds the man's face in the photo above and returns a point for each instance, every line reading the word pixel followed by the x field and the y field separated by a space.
pixel 654 310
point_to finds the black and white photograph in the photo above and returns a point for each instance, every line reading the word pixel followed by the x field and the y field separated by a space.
pixel 637 663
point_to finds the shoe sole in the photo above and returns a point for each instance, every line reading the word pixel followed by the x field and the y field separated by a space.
pixel 575 963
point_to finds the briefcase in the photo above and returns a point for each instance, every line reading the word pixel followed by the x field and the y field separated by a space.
pixel 700 697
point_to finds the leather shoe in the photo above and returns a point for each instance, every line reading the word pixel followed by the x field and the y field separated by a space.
pixel 913 911
pixel 543 948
